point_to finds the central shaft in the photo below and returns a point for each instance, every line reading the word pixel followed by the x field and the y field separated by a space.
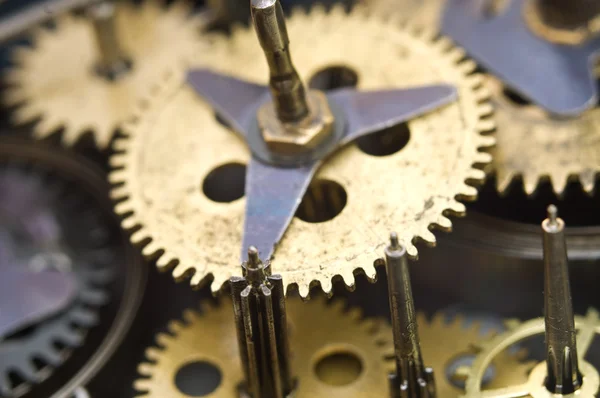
pixel 561 344
pixel 286 86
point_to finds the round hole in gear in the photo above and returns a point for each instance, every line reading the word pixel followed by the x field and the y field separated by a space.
pixel 385 142
pixel 198 378
pixel 333 77
pixel 225 183
pixel 323 201
pixel 339 368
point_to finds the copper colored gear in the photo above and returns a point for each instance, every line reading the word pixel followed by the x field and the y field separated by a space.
pixel 166 156
pixel 55 84
pixel 211 338
pixel 531 144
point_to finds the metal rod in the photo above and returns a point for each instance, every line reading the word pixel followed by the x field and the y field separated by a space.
pixel 113 62
pixel 286 86
pixel 561 347
pixel 412 379
pixel 261 325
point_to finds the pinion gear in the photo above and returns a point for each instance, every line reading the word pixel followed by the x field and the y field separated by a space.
pixel 55 80
pixel 168 155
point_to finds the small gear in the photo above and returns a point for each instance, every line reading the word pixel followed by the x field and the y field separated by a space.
pixel 530 143
pixel 344 354
pixel 533 386
pixel 166 172
pixel 443 342
pixel 55 80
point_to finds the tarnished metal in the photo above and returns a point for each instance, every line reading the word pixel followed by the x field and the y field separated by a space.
pixel 166 156
pixel 569 22
pixel 412 379
pixel 557 77
pixel 561 345
pixel 260 320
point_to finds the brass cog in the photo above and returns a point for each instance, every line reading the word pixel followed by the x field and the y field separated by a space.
pixel 211 338
pixel 442 342
pixel 162 165
pixel 530 143
pixel 54 81
pixel 533 385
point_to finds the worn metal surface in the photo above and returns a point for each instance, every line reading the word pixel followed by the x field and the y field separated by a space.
pixel 557 77
pixel 211 337
pixel 168 155
pixel 56 79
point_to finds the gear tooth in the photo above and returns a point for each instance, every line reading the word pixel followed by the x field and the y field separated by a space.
pixel 175 327
pixel 326 285
pixel 52 357
pixel 83 317
pixel 338 306
pixel 457 55
pixel 164 263
pixel 181 7
pixel 476 81
pixel 93 297
pixel 119 192
pixel 151 249
pixel 141 386
pixel 559 185
pixel 182 272
pixel 468 66
pixel 163 340
pixel 71 337
pixel 477 175
pixel 370 272
pixel 443 223
pixel 530 184
pixel 503 181
pixel 338 11
pixel 485 109
pixel 486 141
pixel 355 313
pixel 588 180
pixel 483 93
pixel 25 114
pixel 428 237
pixel 303 290
pixel 145 369
pixel 483 157
pixel 129 223
pixel 217 283
pixel 120 145
pixel 117 177
pixel 445 44
pixel 153 354
pixel 412 251
pixel 371 325
pixel 138 237
pixel 438 320
pixel 422 321
pixel 13 96
pixel 348 278
pixel 190 316
pixel 19 56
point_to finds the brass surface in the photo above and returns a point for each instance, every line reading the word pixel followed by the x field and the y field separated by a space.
pixel 444 341
pixel 304 134
pixel 56 79
pixel 166 156
pixel 531 144
pixel 534 386
pixel 316 330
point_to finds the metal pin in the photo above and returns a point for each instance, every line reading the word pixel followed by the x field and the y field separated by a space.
pixel 563 368
pixel 411 379
pixel 286 86
pixel 113 62
pixel 261 325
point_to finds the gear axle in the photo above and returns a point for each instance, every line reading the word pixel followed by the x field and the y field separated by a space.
pixel 261 325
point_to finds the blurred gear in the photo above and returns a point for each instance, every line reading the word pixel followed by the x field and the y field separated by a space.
pixel 533 386
pixel 54 218
pixel 183 188
pixel 61 81
pixel 344 354
pixel 530 143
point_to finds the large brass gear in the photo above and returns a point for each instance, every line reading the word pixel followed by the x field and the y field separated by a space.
pixel 211 338
pixel 445 341
pixel 55 80
pixel 530 143
pixel 533 386
pixel 161 164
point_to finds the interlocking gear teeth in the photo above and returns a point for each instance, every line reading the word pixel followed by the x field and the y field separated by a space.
pixel 49 91
pixel 210 336
pixel 466 124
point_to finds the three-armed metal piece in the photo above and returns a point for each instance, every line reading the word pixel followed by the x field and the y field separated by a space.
pixel 412 379
pixel 561 338
pixel 113 63
pixel 261 325
pixel 542 49
pixel 290 131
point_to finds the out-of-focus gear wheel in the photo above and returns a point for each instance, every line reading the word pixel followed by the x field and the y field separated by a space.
pixel 173 180
pixel 55 80
pixel 55 211
pixel 344 354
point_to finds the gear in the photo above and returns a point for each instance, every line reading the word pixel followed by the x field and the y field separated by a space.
pixel 323 357
pixel 55 80
pixel 54 215
pixel 443 342
pixel 168 174
pixel 530 143
pixel 534 386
